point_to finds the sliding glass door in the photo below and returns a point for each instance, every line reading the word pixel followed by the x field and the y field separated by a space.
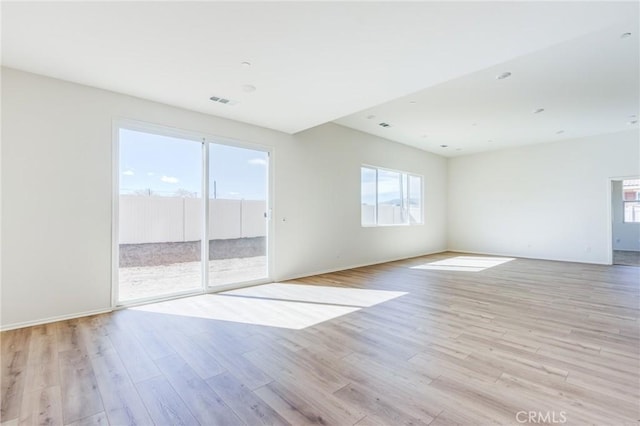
pixel 237 214
pixel 162 219
pixel 159 229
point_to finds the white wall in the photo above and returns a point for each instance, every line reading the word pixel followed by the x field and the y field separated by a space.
pixel 56 194
pixel 626 236
pixel 321 216
pixel 548 201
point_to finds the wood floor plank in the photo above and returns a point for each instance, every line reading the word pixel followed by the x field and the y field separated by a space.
pixel 407 385
pixel 477 395
pixel 283 371
pixel 138 363
pixel 203 402
pixel 298 364
pixel 99 419
pixel 300 405
pixel 378 406
pixel 42 371
pixel 406 394
pixel 164 404
pixel 370 421
pixel 43 346
pixel 94 335
pixel 68 336
pixel 564 396
pixel 42 407
pixel 150 332
pixel 14 356
pixel 80 395
pixel 291 407
pixel 251 409
pixel 202 362
pixel 121 401
pixel 241 367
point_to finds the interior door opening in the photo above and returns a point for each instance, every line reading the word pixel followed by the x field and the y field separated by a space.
pixel 625 221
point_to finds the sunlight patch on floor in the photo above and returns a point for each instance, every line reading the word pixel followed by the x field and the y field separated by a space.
pixel 465 263
pixel 289 306
pixel 318 294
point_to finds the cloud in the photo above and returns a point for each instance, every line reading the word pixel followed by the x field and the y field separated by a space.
pixel 258 162
pixel 169 179
pixel 128 173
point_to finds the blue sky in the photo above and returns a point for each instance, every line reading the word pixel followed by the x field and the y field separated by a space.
pixel 167 166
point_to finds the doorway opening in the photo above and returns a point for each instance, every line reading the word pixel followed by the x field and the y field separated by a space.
pixel 625 221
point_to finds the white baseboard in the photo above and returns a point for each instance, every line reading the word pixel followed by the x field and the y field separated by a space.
pixel 484 253
pixel 361 265
pixel 6 327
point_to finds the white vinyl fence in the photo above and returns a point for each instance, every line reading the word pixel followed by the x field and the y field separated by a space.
pixel 151 219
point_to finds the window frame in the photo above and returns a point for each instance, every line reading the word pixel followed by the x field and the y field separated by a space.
pixel 624 211
pixel 405 197
pixel 625 202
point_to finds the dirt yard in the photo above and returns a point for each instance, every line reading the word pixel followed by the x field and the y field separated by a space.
pixel 147 281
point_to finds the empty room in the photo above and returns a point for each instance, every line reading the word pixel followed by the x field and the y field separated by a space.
pixel 320 213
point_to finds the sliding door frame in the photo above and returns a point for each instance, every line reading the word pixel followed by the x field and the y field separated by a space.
pixel 268 224
pixel 204 139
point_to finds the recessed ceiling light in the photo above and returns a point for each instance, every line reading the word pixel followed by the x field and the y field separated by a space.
pixel 625 35
pixel 559 132
pixel 412 102
pixel 370 116
pixel 632 116
pixel 245 64
pixel 538 110
pixel 633 122
pixel 444 146
pixel 504 75
pixel 458 149
pixel 248 88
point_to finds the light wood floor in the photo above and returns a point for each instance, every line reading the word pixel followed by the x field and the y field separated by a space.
pixel 560 340
pixel 629 258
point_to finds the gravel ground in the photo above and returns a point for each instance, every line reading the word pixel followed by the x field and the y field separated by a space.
pixel 148 281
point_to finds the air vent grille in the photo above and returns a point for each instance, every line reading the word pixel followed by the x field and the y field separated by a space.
pixel 384 124
pixel 223 101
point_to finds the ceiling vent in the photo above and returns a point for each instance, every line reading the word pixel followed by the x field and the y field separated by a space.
pixel 384 124
pixel 222 100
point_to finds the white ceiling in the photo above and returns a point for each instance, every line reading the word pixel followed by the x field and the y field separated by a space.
pixel 315 62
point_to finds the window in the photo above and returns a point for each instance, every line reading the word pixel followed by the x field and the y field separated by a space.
pixel 631 200
pixel 390 197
